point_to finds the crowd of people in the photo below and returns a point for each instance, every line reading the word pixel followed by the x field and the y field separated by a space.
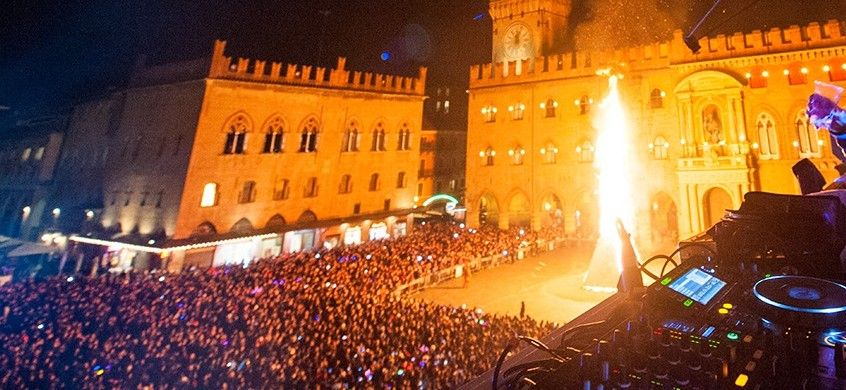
pixel 324 319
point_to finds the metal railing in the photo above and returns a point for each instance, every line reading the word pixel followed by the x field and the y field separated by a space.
pixel 482 263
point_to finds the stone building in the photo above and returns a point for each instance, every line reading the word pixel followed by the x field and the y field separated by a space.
pixel 708 127
pixel 29 152
pixel 443 143
pixel 224 159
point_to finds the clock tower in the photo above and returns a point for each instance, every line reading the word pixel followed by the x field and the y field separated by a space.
pixel 525 29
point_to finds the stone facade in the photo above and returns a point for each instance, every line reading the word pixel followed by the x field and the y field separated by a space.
pixel 220 148
pixel 27 172
pixel 708 127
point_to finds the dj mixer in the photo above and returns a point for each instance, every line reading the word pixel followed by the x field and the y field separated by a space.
pixel 769 318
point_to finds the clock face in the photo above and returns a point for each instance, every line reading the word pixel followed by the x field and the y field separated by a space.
pixel 517 42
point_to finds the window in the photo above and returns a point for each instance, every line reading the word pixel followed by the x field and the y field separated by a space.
pixel 26 153
pixel 114 198
pixel 446 106
pixel 274 138
pixel 282 190
pixel 236 136
pixel 137 150
pixel 378 140
pixel 144 198
pixel 374 182
pixel 357 208
pixel 584 104
pixel 404 140
pixel 767 137
pixel 128 198
pixel 346 185
pixel 517 111
pixel 159 197
pixel 401 180
pixel 419 189
pixel 517 155
pixel 549 106
pixel 387 205
pixel 311 187
pixel 487 156
pixel 209 197
pixel 308 137
pixel 549 153
pixel 351 138
pixel 161 148
pixel 489 114
pixel 178 144
pixel 658 148
pixel 656 98
pixel 248 192
pixel 39 153
pixel 585 151
pixel 808 143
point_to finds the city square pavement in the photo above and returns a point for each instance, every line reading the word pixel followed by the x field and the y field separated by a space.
pixel 550 284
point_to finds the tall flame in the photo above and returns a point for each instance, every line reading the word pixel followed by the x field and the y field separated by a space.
pixel 615 163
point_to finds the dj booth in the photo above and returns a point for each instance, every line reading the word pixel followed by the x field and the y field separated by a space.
pixel 758 302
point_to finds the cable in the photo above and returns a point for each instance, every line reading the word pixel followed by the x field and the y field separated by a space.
pixel 540 345
pixel 508 347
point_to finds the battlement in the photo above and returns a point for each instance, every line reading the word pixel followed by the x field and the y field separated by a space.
pixel 507 8
pixel 246 69
pixel 773 41
pixel 664 54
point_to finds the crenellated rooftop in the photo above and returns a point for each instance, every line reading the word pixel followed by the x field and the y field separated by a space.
pixel 765 46
pixel 246 69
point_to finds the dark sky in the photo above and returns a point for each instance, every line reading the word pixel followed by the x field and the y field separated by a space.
pixel 53 53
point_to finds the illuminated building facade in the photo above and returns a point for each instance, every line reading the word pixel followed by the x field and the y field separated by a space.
pixel 27 172
pixel 709 127
pixel 224 159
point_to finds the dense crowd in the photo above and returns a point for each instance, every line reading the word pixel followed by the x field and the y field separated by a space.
pixel 325 319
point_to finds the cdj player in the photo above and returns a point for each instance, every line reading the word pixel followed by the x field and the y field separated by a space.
pixel 768 317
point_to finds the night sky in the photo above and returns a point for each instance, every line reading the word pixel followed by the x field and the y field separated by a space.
pixel 54 53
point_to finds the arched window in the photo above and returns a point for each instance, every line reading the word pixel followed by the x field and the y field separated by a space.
pixel 282 190
pixel 584 104
pixel 346 185
pixel 809 143
pixel 401 180
pixel 378 140
pixel 374 182
pixel 658 148
pixel 209 197
pixel 236 136
pixel 517 111
pixel 489 113
pixel 487 156
pixel 248 192
pixel 274 137
pixel 656 98
pixel 550 106
pixel 351 138
pixel 311 188
pixel 404 141
pixel 767 137
pixel 517 155
pixel 549 153
pixel 308 137
pixel 585 151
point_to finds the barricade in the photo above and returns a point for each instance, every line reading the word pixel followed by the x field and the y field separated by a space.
pixel 480 263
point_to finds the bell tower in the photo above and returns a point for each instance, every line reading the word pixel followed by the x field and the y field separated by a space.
pixel 525 29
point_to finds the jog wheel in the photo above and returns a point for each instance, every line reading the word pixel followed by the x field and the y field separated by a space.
pixel 801 301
